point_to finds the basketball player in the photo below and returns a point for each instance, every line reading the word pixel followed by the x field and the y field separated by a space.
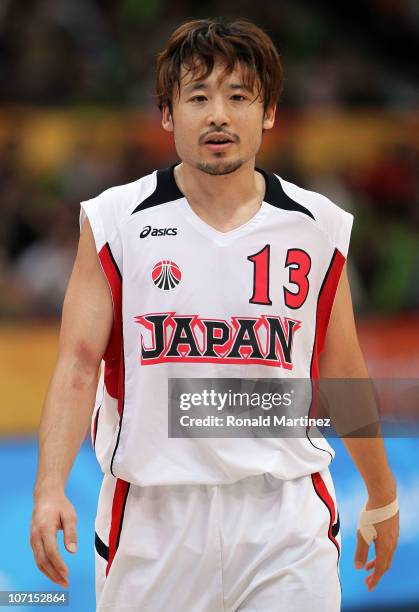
pixel 211 268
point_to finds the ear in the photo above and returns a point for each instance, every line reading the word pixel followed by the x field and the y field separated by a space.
pixel 269 118
pixel 166 120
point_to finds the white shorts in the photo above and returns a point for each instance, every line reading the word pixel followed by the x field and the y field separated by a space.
pixel 258 544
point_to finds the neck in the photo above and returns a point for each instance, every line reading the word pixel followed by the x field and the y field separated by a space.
pixel 245 187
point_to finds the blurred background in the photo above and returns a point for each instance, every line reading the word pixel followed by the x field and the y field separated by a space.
pixel 78 115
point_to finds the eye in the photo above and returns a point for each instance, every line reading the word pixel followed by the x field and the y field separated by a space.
pixel 198 98
pixel 238 96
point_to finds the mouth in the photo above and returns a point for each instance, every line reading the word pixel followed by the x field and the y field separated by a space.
pixel 218 146
pixel 218 142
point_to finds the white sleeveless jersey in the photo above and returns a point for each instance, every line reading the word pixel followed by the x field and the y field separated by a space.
pixel 192 302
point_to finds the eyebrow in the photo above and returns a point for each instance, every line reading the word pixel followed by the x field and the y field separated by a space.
pixel 201 85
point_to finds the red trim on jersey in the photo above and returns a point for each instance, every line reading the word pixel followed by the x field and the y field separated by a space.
pixel 324 308
pixel 118 508
pixel 113 355
pixel 323 493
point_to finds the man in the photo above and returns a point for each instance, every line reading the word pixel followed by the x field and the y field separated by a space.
pixel 208 269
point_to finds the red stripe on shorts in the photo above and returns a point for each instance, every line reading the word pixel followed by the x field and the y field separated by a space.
pixel 323 493
pixel 118 508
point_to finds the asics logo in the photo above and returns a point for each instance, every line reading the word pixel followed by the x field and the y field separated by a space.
pixel 158 231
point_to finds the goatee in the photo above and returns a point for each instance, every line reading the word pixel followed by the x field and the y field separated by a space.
pixel 220 167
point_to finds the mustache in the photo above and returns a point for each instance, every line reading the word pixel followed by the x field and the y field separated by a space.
pixel 233 137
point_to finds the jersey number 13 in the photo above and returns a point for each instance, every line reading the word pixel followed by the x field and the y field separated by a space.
pixel 299 264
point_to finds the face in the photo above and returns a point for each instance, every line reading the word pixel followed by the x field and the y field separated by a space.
pixel 217 107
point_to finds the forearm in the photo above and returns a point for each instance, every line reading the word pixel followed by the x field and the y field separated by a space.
pixel 352 406
pixel 356 417
pixel 369 456
pixel 65 420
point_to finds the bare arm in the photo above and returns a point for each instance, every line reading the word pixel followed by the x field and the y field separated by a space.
pixel 85 329
pixel 342 358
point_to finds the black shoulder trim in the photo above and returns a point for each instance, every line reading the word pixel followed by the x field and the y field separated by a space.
pixel 276 196
pixel 166 190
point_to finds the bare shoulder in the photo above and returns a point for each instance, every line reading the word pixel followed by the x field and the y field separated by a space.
pixel 87 259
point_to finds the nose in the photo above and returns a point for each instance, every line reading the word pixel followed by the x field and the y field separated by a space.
pixel 218 112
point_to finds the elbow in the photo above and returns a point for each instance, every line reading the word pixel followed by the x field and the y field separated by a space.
pixel 82 365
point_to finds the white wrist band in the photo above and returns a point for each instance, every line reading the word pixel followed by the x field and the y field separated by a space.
pixel 368 518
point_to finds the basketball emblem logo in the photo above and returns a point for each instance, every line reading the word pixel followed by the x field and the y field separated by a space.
pixel 166 275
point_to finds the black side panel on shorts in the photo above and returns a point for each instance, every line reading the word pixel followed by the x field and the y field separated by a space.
pixel 101 548
pixel 336 527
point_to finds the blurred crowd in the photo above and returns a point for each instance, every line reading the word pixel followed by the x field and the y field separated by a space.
pixel 354 54
pixel 56 53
